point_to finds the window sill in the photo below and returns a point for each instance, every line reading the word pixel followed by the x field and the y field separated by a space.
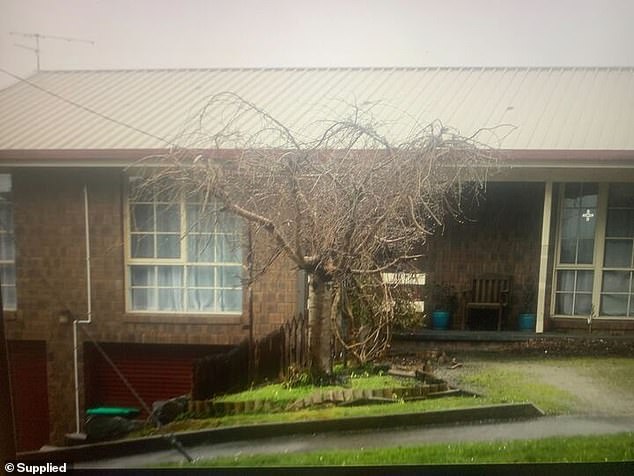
pixel 169 318
pixel 597 318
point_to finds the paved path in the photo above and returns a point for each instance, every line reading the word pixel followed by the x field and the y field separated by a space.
pixel 536 428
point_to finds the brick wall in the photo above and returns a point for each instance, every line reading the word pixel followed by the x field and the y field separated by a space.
pixel 51 278
pixel 501 236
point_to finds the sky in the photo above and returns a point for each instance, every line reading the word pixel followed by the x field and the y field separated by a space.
pixel 136 34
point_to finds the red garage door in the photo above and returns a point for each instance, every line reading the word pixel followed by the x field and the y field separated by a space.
pixel 27 367
pixel 156 372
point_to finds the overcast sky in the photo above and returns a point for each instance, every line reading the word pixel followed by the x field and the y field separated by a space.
pixel 282 33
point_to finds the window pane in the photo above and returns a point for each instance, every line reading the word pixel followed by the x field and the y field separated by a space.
pixel 169 246
pixel 6 247
pixel 228 223
pixel 170 276
pixel 585 280
pixel 200 249
pixel 228 249
pixel 618 253
pixel 6 217
pixel 583 304
pixel 621 195
pixel 585 252
pixel 613 305
pixel 9 300
pixel 230 300
pixel 572 195
pixel 620 224
pixel 616 281
pixel 142 246
pixel 200 300
pixel 201 220
pixel 170 299
pixel 168 218
pixel 570 223
pixel 139 191
pixel 590 195
pixel 142 218
pixel 565 281
pixel 142 299
pixel 568 251
pixel 142 276
pixel 229 276
pixel 200 276
pixel 7 274
pixel 5 183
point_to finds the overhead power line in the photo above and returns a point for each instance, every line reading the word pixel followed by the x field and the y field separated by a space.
pixel 88 109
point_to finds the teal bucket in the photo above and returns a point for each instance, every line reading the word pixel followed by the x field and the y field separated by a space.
pixel 440 320
pixel 526 322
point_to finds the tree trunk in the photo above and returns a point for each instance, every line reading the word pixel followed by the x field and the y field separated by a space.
pixel 320 333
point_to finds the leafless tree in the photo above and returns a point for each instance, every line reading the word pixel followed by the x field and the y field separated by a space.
pixel 345 203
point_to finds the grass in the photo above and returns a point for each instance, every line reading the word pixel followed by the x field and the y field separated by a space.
pixel 613 372
pixel 282 396
pixel 512 386
pixel 278 392
pixel 324 413
pixel 495 384
pixel 603 448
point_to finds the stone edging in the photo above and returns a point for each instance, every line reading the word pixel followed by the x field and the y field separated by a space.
pixel 212 408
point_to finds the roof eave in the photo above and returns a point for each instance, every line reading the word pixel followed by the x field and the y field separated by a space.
pixel 514 158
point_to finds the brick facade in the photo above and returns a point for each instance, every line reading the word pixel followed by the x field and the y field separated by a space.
pixel 51 280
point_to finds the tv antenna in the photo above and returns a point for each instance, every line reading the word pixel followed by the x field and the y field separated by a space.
pixel 37 37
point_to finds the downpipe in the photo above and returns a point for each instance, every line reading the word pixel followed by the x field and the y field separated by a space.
pixel 88 319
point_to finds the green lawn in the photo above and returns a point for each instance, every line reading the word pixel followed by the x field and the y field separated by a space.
pixel 278 392
pixel 613 372
pixel 496 380
pixel 605 448
pixel 327 412
pixel 494 385
pixel 502 385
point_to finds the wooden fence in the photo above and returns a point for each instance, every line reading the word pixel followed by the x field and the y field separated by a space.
pixel 272 356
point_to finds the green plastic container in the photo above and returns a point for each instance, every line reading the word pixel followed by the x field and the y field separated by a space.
pixel 125 412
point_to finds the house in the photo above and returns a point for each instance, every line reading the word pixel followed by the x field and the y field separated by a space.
pixel 77 245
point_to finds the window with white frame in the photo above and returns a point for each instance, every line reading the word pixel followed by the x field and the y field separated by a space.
pixel 7 245
pixel 595 255
pixel 184 256
pixel 617 290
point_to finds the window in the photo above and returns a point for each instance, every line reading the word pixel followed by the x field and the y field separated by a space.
pixel 617 290
pixel 595 267
pixel 7 245
pixel 575 274
pixel 183 256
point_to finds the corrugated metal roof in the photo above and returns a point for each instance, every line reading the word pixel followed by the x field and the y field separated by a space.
pixel 529 108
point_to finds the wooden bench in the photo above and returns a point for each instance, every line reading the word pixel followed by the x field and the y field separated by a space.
pixel 489 292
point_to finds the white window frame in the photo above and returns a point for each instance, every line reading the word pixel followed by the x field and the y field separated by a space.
pixel 597 265
pixel 9 230
pixel 181 262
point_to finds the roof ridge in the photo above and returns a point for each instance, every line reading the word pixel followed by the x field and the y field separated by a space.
pixel 337 68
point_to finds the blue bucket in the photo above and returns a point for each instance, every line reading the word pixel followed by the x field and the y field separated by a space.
pixel 440 320
pixel 526 322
